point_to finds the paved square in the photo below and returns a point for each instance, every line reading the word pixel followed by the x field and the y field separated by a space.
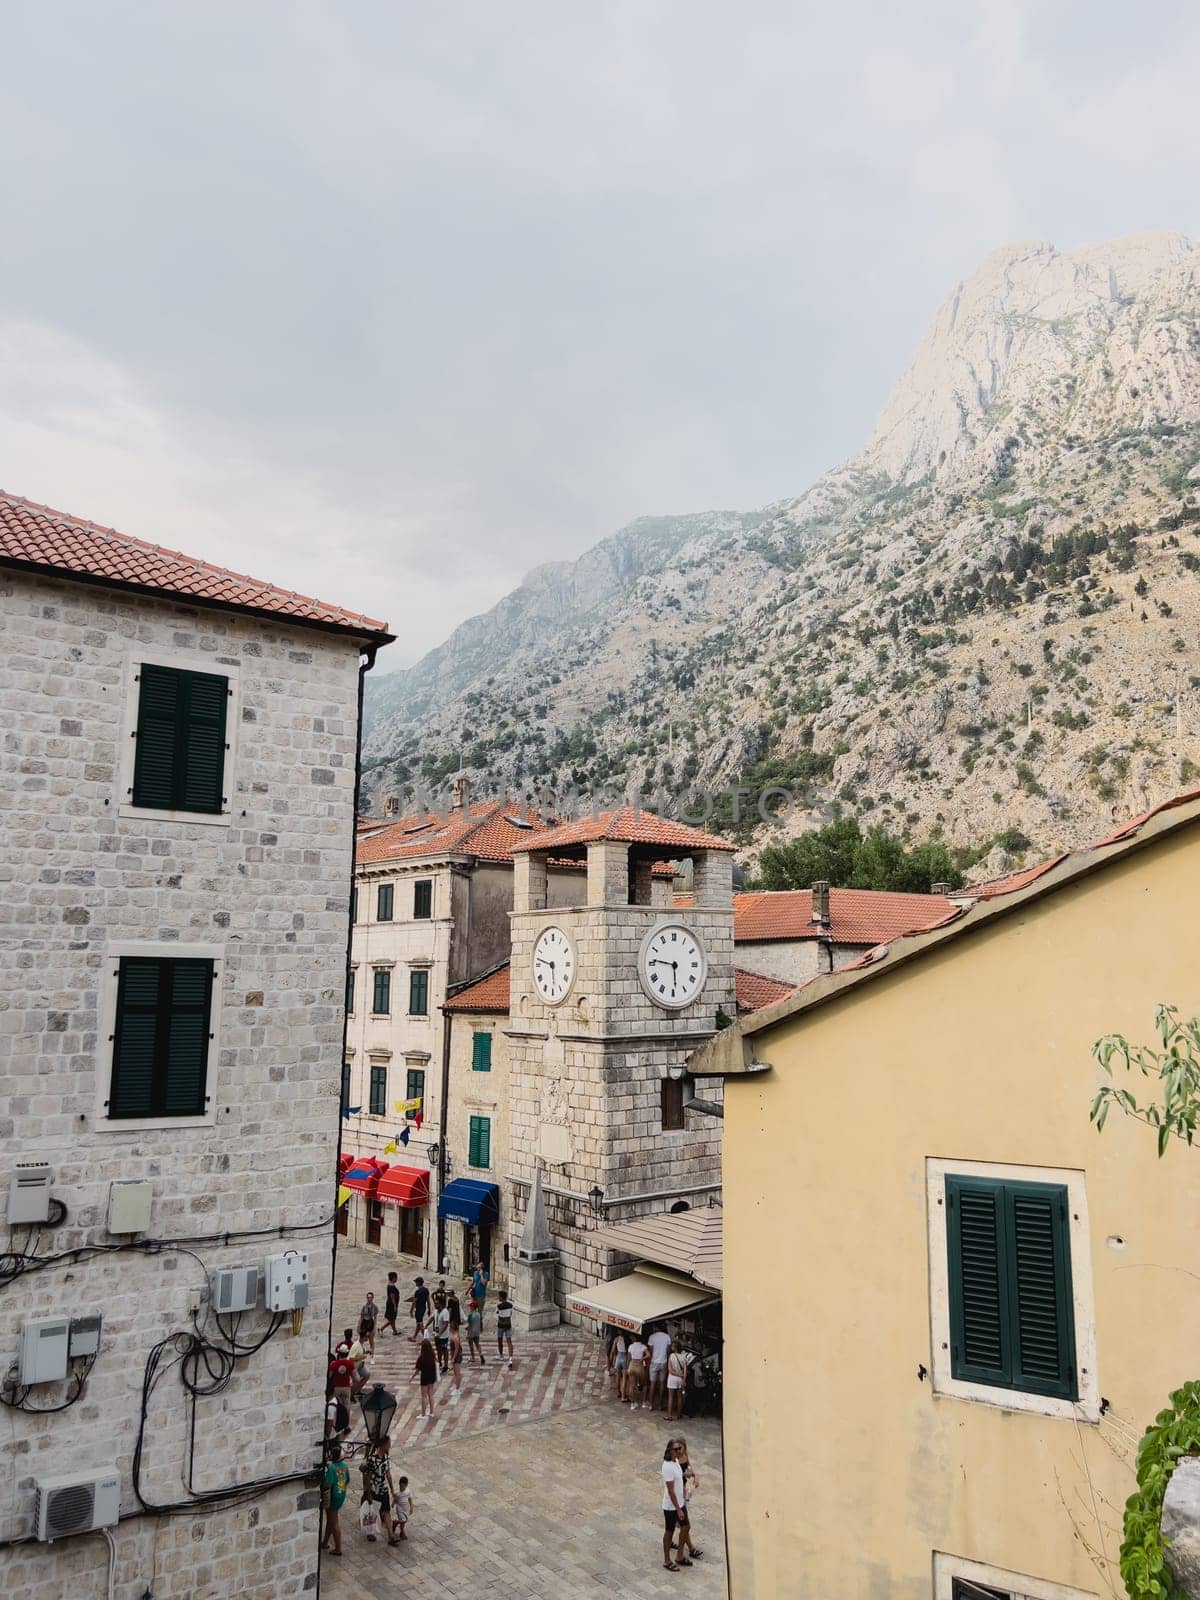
pixel 536 1478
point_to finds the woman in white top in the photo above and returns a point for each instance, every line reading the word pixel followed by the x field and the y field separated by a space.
pixel 635 1381
pixel 618 1361
pixel 676 1378
pixel 672 1504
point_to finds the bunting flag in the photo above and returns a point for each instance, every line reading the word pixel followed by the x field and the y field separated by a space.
pixel 351 1111
pixel 417 1119
pixel 404 1135
pixel 343 1194
pixel 390 1147
pixel 406 1106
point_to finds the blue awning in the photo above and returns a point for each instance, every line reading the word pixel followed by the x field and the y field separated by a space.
pixel 468 1200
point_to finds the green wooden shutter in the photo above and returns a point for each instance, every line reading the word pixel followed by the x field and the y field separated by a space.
pixel 381 1002
pixel 179 759
pixel 383 903
pixel 160 1042
pixel 345 1084
pixel 1012 1320
pixel 1041 1299
pixel 418 993
pixel 378 1091
pixel 350 977
pixel 480 1152
pixel 423 898
pixel 481 1051
pixel 979 1349
pixel 416 1085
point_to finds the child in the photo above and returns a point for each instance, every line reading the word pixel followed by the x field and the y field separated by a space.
pixel 504 1316
pixel 403 1507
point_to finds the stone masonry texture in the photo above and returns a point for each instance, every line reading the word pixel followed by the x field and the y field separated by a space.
pixel 268 890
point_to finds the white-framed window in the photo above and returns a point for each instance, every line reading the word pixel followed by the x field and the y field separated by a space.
pixel 955 1578
pixel 177 755
pixel 1012 1306
pixel 159 1039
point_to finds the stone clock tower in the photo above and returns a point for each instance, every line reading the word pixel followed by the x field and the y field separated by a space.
pixel 609 996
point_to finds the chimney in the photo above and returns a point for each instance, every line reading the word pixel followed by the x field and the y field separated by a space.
pixel 940 888
pixel 391 806
pixel 820 902
pixel 461 789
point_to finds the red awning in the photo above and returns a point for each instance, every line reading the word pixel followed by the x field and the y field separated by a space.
pixel 346 1162
pixel 403 1186
pixel 364 1174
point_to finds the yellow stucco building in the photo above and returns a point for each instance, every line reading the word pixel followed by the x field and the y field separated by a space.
pixel 951 1307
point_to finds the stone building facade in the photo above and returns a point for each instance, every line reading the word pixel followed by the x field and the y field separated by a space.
pixel 591 1076
pixel 100 890
pixel 433 893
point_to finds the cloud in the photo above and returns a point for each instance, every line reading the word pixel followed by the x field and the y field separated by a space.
pixel 392 304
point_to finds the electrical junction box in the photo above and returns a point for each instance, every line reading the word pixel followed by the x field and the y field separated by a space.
pixel 234 1289
pixel 84 1339
pixel 29 1193
pixel 285 1282
pixel 129 1202
pixel 44 1348
pixel 77 1502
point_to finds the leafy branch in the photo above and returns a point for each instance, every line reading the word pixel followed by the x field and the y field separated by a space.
pixel 1174 1432
pixel 1173 1109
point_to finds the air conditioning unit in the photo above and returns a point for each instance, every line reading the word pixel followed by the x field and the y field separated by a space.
pixel 77 1502
pixel 285 1283
pixel 234 1289
pixel 29 1193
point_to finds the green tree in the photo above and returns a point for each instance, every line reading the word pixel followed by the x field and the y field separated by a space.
pixel 842 855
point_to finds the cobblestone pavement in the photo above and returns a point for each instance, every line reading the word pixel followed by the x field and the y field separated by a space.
pixel 535 1478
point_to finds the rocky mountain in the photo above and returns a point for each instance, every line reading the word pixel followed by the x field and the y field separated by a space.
pixel 984 624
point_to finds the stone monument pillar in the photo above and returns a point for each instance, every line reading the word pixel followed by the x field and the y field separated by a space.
pixel 533 1268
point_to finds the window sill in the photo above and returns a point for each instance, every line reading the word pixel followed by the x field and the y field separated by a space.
pixel 210 819
pixel 107 1124
pixel 1041 1405
pixel 381 1016
pixel 417 1016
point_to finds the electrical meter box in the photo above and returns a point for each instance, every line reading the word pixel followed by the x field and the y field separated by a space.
pixel 285 1286
pixel 44 1346
pixel 29 1193
pixel 234 1289
pixel 85 1336
pixel 129 1201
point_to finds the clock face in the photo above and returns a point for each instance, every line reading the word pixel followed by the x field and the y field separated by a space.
pixel 553 965
pixel 672 966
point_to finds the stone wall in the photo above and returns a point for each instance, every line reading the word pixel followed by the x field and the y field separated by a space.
pixel 266 889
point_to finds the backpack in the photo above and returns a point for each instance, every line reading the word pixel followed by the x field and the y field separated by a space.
pixel 343 1415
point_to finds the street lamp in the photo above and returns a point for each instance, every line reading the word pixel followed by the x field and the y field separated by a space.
pixel 596 1196
pixel 377 1411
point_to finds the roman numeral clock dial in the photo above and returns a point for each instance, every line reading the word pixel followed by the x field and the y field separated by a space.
pixel 553 965
pixel 672 966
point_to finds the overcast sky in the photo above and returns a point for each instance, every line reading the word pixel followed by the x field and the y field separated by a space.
pixel 390 302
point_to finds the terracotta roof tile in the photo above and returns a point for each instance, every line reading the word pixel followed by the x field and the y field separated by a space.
pixel 489 829
pixel 754 991
pixel 36 536
pixel 629 824
pixel 857 916
pixel 489 993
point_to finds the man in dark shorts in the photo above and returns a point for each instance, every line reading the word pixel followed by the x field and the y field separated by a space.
pixel 419 1305
pixel 391 1309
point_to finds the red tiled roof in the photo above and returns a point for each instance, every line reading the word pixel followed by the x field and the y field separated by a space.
pixel 857 916
pixel 491 992
pixel 486 829
pixel 754 991
pixel 38 537
pixel 628 824
pixel 1012 881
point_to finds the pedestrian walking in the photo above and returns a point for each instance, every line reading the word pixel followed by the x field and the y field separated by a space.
pixel 660 1348
pixel 441 1332
pixel 341 1375
pixel 504 1316
pixel 635 1381
pixel 359 1357
pixel 455 1310
pixel 676 1378
pixel 379 1490
pixel 337 1420
pixel 455 1363
pixel 684 1545
pixel 480 1278
pixel 475 1331
pixel 426 1369
pixel 618 1360
pixel 391 1308
pixel 672 1504
pixel 403 1508
pixel 335 1483
pixel 418 1304
pixel 366 1322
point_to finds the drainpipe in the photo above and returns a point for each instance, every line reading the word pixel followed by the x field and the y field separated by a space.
pixel 443 1116
pixel 366 662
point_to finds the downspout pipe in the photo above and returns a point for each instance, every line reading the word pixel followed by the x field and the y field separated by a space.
pixel 443 1124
